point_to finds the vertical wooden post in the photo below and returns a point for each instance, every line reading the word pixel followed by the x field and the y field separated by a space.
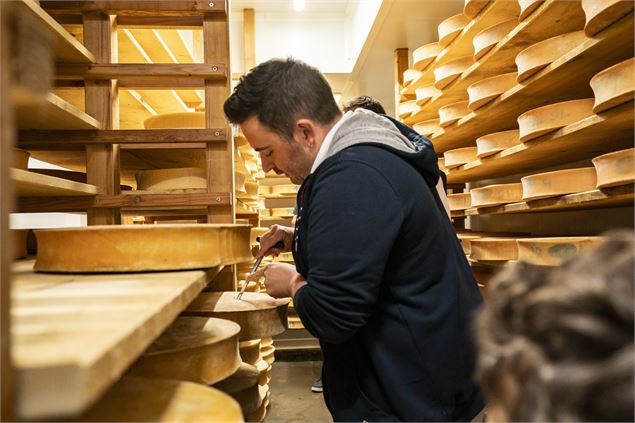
pixel 219 158
pixel 102 161
pixel 6 205
pixel 249 39
pixel 401 65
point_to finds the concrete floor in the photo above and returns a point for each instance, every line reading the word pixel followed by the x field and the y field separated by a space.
pixel 291 396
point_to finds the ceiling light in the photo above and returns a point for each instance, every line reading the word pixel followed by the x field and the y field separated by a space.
pixel 298 5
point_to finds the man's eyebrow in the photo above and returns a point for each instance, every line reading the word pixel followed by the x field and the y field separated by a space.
pixel 262 148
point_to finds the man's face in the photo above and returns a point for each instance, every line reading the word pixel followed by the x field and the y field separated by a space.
pixel 293 158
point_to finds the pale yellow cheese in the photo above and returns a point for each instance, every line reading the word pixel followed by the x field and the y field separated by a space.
pixel 246 376
pixel 602 13
pixel 450 28
pixel 559 182
pixel 538 56
pixel 250 351
pixel 410 75
pixel 485 40
pixel 486 90
pixel 183 120
pixel 617 168
pixel 471 8
pixel 406 108
pixel 498 141
pixel 460 201
pixel 459 156
pixel 426 93
pixel 494 249
pixel 614 86
pixel 452 112
pixel 553 251
pixel 545 119
pixel 427 127
pixel 424 55
pixel 171 179
pixel 195 349
pixel 448 72
pixel 527 7
pixel 494 195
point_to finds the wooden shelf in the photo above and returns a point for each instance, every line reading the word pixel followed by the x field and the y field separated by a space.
pixel 50 112
pixel 620 196
pixel 588 138
pixel 66 48
pixel 74 335
pixel 565 79
pixel 551 19
pixel 31 184
pixel 136 8
pixel 495 11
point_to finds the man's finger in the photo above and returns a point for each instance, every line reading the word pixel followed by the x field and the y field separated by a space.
pixel 256 275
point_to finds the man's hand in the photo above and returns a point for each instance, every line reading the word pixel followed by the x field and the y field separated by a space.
pixel 281 279
pixel 270 239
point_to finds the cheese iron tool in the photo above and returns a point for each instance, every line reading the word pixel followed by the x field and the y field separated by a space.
pixel 279 245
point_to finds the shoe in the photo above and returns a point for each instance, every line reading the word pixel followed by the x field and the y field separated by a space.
pixel 317 386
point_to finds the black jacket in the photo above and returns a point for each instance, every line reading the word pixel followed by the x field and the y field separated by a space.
pixel 390 294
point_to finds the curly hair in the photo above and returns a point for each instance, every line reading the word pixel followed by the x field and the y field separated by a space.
pixel 556 344
pixel 365 102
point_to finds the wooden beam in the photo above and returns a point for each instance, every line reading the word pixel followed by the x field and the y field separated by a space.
pixel 249 39
pixel 38 140
pixel 102 161
pixel 137 8
pixel 401 64
pixel 124 201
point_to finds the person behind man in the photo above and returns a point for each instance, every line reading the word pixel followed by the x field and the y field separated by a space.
pixel 556 344
pixel 380 278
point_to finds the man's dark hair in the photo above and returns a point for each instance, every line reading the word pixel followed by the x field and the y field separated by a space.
pixel 365 102
pixel 279 92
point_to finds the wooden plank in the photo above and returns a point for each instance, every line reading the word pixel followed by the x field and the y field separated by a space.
pixel 588 138
pixel 147 75
pixel 400 57
pixel 50 112
pixel 7 135
pixel 565 79
pixel 494 12
pixel 553 18
pixel 67 49
pixel 34 140
pixel 220 159
pixel 102 161
pixel 249 39
pixel 138 8
pixel 127 201
pixel 30 184
pixel 66 354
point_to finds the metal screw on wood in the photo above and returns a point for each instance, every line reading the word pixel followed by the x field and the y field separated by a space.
pixel 211 4
pixel 218 199
pixel 217 133
pixel 214 68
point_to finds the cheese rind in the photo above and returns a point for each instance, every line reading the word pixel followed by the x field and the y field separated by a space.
pixel 424 55
pixel 448 72
pixel 527 7
pixel 559 182
pixel 555 250
pixel 494 195
pixel 450 28
pixel 460 201
pixel 486 90
pixel 459 156
pixel 616 168
pixel 494 249
pixel 452 112
pixel 602 13
pixel 498 141
pixel 545 119
pixel 614 86
pixel 485 40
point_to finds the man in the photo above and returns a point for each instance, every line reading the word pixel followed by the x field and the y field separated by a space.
pixel 380 277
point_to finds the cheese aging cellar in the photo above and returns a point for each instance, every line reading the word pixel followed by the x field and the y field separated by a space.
pixel 317 210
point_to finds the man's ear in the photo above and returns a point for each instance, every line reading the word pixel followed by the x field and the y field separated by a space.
pixel 305 132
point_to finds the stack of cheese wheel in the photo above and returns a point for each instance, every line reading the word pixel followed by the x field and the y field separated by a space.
pixel 557 183
pixel 616 168
pixel 540 55
pixel 259 317
pixel 614 86
pixel 602 13
pixel 545 119
pixel 553 251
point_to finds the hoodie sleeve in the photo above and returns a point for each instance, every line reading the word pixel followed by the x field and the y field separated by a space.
pixel 354 219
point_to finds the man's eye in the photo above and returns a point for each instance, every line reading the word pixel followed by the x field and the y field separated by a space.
pixel 269 153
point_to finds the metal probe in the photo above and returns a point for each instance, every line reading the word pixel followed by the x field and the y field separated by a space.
pixel 279 245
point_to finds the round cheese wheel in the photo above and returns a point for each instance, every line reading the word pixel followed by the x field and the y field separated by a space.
pixel 262 367
pixel 424 55
pixel 245 377
pixel 617 168
pixel 427 127
pixel 21 159
pixel 250 351
pixel 553 251
pixel 266 342
pixel 472 8
pixel 448 72
pixel 139 248
pixel 258 415
pixel 460 201
pixel 452 112
pixel 498 141
pixel 268 354
pixel 450 28
pixel 459 156
pixel 171 180
pixel 250 398
pixel 465 238
pixel 486 90
pixel 559 182
pixel 196 349
pixel 136 399
pixel 426 93
pixel 602 13
pixel 494 249
pixel 410 75
pixel 540 55
pixel 494 195
pixel 614 86
pixel 258 315
pixel 183 120
pixel 527 7
pixel 407 108
pixel 485 40
pixel 552 117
